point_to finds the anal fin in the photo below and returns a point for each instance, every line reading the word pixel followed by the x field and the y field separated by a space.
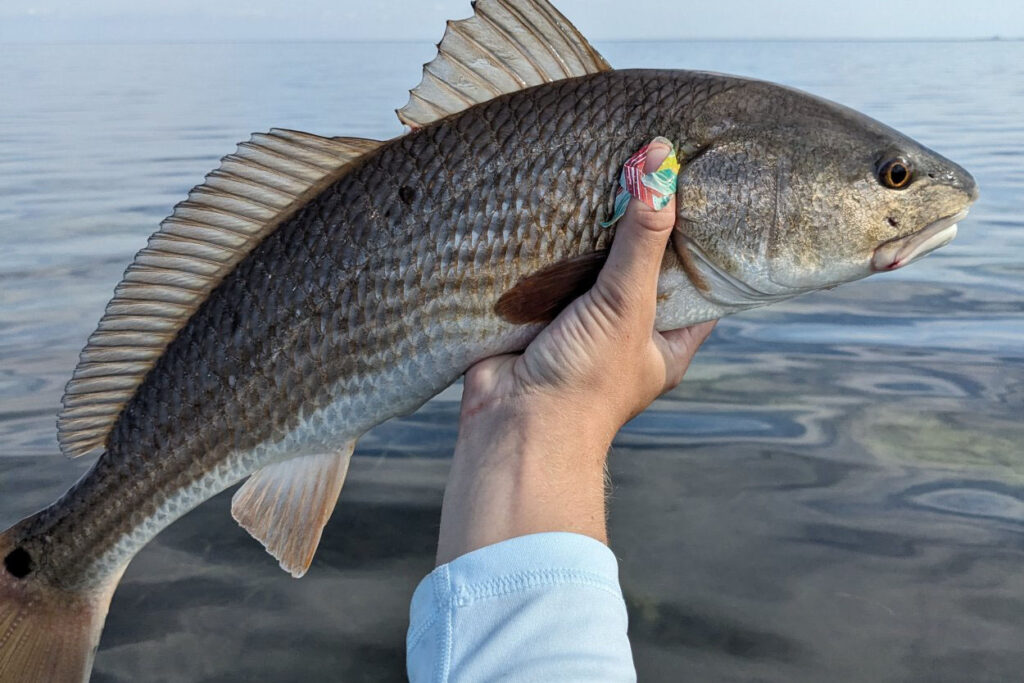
pixel 286 506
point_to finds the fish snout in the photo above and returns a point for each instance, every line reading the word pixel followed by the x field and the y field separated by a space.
pixel 957 178
pixel 970 187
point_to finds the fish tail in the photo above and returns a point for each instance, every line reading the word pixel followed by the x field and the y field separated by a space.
pixel 47 634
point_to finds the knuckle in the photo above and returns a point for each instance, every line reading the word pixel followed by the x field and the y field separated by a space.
pixel 614 297
pixel 651 221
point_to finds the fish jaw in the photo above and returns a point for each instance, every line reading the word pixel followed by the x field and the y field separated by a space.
pixel 898 252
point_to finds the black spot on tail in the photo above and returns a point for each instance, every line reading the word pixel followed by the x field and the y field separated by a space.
pixel 19 563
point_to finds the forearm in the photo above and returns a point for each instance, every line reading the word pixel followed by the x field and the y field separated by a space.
pixel 521 470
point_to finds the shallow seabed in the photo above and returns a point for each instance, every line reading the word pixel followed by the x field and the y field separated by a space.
pixel 836 493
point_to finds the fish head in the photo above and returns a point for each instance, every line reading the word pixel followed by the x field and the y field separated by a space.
pixel 789 193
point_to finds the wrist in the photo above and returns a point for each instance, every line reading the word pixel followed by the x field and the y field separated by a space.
pixel 518 470
pixel 542 422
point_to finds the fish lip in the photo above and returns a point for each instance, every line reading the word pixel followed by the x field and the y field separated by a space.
pixel 900 251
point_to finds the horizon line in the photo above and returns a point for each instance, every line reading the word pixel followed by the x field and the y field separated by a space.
pixel 411 41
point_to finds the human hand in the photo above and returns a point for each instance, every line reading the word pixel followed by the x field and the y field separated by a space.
pixel 536 427
pixel 600 362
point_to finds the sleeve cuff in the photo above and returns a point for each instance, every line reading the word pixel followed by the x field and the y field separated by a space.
pixel 524 605
pixel 514 565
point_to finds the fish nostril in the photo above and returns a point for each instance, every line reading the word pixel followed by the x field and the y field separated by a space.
pixel 19 563
pixel 894 222
pixel 933 175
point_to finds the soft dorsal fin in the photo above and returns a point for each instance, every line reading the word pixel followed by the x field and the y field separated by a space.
pixel 507 45
pixel 263 183
pixel 286 506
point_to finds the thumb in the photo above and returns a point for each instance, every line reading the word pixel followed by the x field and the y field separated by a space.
pixel 638 248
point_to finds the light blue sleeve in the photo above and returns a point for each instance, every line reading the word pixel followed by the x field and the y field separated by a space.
pixel 545 607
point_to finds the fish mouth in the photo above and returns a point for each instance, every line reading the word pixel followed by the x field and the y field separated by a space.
pixel 903 250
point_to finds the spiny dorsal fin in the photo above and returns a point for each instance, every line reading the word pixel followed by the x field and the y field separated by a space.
pixel 263 183
pixel 507 45
pixel 286 506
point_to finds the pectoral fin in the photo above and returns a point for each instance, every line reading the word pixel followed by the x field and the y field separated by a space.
pixel 541 296
pixel 286 506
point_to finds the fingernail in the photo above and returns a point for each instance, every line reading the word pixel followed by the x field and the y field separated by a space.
pixel 658 150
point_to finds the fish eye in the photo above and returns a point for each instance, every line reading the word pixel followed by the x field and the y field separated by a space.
pixel 895 173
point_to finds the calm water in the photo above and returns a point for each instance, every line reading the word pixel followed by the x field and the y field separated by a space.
pixel 835 493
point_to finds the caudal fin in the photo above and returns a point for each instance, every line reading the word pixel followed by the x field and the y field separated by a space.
pixel 47 635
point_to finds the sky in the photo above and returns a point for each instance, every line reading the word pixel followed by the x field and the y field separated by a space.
pixel 406 20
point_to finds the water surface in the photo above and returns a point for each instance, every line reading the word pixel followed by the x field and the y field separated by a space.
pixel 835 493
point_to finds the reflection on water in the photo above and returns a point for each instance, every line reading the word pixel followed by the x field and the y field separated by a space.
pixel 836 493
pixel 983 499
